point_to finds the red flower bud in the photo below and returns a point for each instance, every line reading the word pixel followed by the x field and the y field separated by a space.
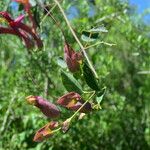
pixel 73 101
pixel 45 132
pixel 72 58
pixel 48 109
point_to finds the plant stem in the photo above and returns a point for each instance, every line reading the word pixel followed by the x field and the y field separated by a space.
pixel 102 42
pixel 54 131
pixel 56 22
pixel 48 12
pixel 82 106
pixel 76 38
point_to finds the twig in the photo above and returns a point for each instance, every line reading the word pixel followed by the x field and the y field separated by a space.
pixel 144 72
pixel 55 21
pixel 102 42
pixel 48 12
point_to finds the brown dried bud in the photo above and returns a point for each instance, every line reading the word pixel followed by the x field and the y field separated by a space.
pixel 73 101
pixel 45 132
pixel 65 125
pixel 81 116
pixel 48 109
pixel 72 58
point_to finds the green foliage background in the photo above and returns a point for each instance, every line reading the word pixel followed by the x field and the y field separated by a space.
pixel 123 122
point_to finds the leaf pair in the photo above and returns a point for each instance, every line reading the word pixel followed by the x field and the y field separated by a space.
pixel 71 84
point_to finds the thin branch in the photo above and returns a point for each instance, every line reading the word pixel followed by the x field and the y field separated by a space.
pixel 55 21
pixel 48 12
pixel 102 42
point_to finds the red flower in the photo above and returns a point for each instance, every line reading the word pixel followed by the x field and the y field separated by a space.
pixel 45 132
pixel 73 101
pixel 48 109
pixel 72 58
pixel 16 27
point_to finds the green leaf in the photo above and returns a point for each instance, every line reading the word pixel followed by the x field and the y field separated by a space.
pixel 33 3
pixel 90 34
pixel 100 95
pixel 87 39
pixel 99 29
pixel 70 83
pixel 36 16
pixel 99 99
pixel 90 77
pixel 61 62
pixel 21 7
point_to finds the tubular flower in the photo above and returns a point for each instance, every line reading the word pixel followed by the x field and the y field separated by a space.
pixel 47 108
pixel 45 132
pixel 73 101
pixel 72 58
pixel 16 27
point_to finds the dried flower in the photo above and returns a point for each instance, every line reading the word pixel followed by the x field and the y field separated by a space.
pixel 45 132
pixel 47 108
pixel 73 101
pixel 65 125
pixel 81 116
pixel 72 58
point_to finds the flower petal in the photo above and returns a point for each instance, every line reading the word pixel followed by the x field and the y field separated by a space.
pixel 72 58
pixel 73 101
pixel 45 132
pixel 68 99
pixel 47 108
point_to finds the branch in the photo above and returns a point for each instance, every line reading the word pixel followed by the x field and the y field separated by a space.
pixel 76 38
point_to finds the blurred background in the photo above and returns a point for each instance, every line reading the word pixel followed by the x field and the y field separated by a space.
pixel 124 68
